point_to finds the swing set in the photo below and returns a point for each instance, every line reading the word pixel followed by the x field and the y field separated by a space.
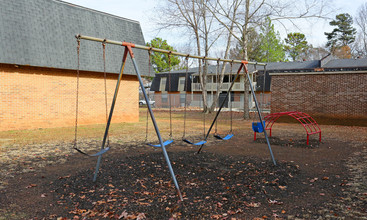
pixel 129 51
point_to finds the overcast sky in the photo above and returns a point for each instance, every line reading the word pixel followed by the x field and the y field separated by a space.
pixel 142 10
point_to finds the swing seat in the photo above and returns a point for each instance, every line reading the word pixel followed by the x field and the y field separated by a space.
pixel 227 137
pixel 256 127
pixel 167 142
pixel 104 150
pixel 198 143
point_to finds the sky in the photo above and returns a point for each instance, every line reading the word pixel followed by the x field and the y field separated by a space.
pixel 142 11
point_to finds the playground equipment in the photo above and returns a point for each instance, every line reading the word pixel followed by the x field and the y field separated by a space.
pixel 128 51
pixel 75 147
pixel 184 138
pixel 244 67
pixel 308 123
pixel 259 127
pixel 230 134
pixel 170 141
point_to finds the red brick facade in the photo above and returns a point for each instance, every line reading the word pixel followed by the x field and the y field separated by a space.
pixel 335 95
pixel 34 97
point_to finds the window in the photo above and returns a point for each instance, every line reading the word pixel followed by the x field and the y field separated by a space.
pixel 163 84
pixel 164 98
pixel 181 84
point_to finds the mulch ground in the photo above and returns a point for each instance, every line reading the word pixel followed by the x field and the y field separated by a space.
pixel 228 180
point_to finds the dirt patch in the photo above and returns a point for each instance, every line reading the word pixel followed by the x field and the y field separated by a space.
pixel 229 179
pixel 290 142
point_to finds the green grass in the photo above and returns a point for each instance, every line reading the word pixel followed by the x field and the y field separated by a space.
pixel 194 124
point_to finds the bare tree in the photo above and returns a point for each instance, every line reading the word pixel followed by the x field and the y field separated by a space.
pixel 251 13
pixel 316 53
pixel 360 45
pixel 192 16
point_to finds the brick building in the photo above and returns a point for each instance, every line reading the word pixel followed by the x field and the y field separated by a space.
pixel 326 89
pixel 38 62
pixel 161 85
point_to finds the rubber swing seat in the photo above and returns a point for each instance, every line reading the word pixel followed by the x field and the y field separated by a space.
pixel 198 143
pixel 167 142
pixel 104 150
pixel 256 127
pixel 227 137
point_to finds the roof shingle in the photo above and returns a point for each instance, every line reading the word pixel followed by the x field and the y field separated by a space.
pixel 42 33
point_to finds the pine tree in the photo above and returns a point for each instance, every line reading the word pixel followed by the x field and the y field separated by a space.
pixel 296 45
pixel 271 47
pixel 343 34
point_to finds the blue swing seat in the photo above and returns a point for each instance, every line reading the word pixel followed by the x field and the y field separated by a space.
pixel 198 143
pixel 227 137
pixel 167 142
pixel 256 127
pixel 104 150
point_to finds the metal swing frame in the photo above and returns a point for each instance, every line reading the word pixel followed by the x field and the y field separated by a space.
pixel 128 51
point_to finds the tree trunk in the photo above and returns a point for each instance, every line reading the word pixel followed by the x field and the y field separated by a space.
pixel 246 110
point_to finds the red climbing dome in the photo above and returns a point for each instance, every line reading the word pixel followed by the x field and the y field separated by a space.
pixel 306 120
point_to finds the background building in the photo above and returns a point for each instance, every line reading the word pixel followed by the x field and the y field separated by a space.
pixel 328 89
pixel 38 63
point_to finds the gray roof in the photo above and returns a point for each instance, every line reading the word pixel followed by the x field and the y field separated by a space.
pixel 293 65
pixel 346 63
pixel 42 33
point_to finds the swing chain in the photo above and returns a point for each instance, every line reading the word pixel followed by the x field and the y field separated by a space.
pixel 263 96
pixel 169 94
pixel 217 81
pixel 77 95
pixel 204 67
pixel 149 66
pixel 185 90
pixel 230 101
pixel 105 84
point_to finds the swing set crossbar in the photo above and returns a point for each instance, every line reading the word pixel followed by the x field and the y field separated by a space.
pixel 123 43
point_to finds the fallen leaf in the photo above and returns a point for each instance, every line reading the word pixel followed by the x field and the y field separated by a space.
pixel 253 204
pixel 31 185
pixel 275 202
pixel 314 179
pixel 141 216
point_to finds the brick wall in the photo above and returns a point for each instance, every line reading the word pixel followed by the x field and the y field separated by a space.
pixel 34 97
pixel 326 95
